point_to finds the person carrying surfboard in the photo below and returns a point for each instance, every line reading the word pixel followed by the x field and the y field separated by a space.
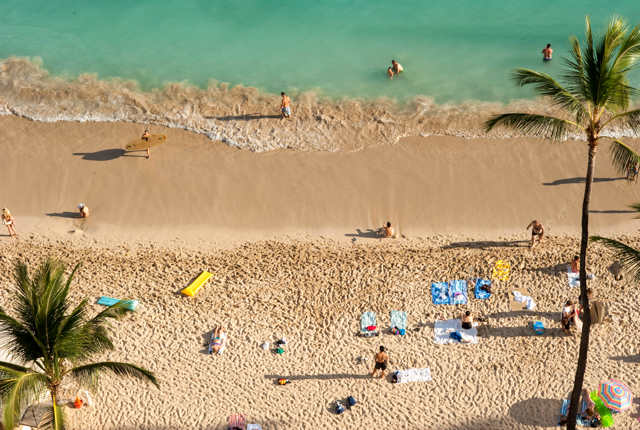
pixel 145 136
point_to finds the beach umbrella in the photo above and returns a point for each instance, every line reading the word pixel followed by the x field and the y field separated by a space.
pixel 615 395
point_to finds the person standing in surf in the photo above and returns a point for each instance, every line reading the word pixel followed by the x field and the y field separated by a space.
pixel 284 106
pixel 396 67
pixel 547 53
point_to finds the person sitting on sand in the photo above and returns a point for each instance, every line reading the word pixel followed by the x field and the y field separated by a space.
pixel 588 414
pixel 547 53
pixel 381 359
pixel 467 320
pixel 218 341
pixel 537 229
pixel 8 220
pixel 397 68
pixel 145 136
pixel 575 264
pixel 390 73
pixel 84 211
pixel 386 230
pixel 570 315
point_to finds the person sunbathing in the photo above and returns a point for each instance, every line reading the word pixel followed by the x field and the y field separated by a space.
pixel 588 414
pixel 218 341
pixel 575 264
pixel 467 320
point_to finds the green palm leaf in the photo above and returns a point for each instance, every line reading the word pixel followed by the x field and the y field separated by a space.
pixel 622 156
pixel 87 375
pixel 18 388
pixel 54 418
pixel 629 258
pixel 533 125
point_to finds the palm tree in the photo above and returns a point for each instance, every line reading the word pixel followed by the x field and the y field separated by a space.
pixel 53 342
pixel 596 94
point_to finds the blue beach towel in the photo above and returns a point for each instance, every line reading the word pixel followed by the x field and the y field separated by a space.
pixel 399 320
pixel 579 420
pixel 440 293
pixel 482 294
pixel 458 292
pixel 108 301
pixel 367 319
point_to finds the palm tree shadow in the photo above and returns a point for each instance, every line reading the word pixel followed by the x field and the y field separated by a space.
pixel 536 412
pixel 64 214
pixel 106 155
pixel 627 358
pixel 324 377
pixel 612 212
pixel 246 117
pixel 579 180
pixel 488 244
pixel 369 233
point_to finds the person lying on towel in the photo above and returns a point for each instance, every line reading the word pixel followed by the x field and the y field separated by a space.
pixel 218 341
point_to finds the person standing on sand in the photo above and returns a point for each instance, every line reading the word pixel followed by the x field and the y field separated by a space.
pixel 381 359
pixel 547 53
pixel 537 229
pixel 284 106
pixel 396 67
pixel 145 136
pixel 84 211
pixel 8 220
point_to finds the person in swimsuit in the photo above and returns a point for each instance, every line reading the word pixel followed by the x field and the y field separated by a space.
pixel 537 229
pixel 386 230
pixel 219 338
pixel 575 264
pixel 390 73
pixel 396 67
pixel 547 53
pixel 570 316
pixel 467 320
pixel 284 107
pixel 84 211
pixel 145 136
pixel 381 359
pixel 589 295
pixel 8 220
pixel 588 414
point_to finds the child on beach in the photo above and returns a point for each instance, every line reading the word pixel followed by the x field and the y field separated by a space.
pixel 390 73
pixel 84 211
pixel 8 220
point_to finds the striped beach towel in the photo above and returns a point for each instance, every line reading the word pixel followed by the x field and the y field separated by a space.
pixel 479 293
pixel 440 293
pixel 367 319
pixel 399 320
pixel 458 292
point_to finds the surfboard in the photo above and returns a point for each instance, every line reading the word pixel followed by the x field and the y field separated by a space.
pixel 153 140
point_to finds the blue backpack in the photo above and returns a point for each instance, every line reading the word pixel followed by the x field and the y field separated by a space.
pixel 456 336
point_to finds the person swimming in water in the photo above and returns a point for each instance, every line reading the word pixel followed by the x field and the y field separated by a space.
pixel 547 53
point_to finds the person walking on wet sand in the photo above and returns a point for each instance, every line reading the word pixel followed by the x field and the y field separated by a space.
pixel 8 220
pixel 284 106
pixel 537 229
pixel 145 137
pixel 381 359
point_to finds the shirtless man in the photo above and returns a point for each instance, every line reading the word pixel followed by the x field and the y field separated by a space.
pixel 397 68
pixel 84 211
pixel 145 136
pixel 537 229
pixel 381 359
pixel 547 52
pixel 386 230
pixel 284 107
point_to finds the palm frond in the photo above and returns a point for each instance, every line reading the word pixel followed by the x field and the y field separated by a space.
pixel 629 258
pixel 630 118
pixel 636 207
pixel 547 86
pixel 88 375
pixel 574 75
pixel 530 125
pixel 54 418
pixel 20 340
pixel 621 156
pixel 18 388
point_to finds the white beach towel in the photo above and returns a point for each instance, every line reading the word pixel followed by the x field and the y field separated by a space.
pixel 574 278
pixel 413 375
pixel 518 297
pixel 254 427
pixel 443 329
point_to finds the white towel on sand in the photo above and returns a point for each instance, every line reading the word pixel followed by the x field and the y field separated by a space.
pixel 443 329
pixel 413 375
pixel 518 297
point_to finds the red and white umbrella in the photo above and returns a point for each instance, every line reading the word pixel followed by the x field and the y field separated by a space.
pixel 615 395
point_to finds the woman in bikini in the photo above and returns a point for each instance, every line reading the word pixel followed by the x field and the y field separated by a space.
pixel 218 340
pixel 8 220
pixel 467 320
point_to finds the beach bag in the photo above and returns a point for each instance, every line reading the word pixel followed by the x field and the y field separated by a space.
pixel 394 378
pixel 456 336
pixel 352 401
pixel 339 408
pixel 538 327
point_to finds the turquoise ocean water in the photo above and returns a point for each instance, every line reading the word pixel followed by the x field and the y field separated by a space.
pixel 453 51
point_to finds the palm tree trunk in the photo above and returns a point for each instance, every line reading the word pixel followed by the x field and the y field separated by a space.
pixel 586 315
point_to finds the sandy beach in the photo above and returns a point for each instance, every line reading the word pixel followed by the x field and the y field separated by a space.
pixel 289 238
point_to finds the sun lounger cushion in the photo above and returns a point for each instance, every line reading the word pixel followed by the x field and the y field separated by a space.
pixel 108 301
pixel 440 293
pixel 458 292
pixel 478 292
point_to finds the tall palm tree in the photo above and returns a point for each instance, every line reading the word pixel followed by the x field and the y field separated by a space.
pixel 53 342
pixel 595 94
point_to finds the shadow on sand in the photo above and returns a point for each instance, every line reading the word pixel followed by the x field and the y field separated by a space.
pixel 488 244
pixel 247 117
pixel 612 212
pixel 369 233
pixel 325 377
pixel 107 155
pixel 579 180
pixel 536 412
pixel 64 214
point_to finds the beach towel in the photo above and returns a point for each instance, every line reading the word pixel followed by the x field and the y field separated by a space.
pixel 443 329
pixel 574 278
pixel 521 298
pixel 399 320
pixel 108 301
pixel 223 335
pixel 237 421
pixel 368 319
pixel 413 375
pixel 579 419
pixel 440 293
pixel 479 293
pixel 458 292
pixel 515 305
pixel 254 427
pixel 501 270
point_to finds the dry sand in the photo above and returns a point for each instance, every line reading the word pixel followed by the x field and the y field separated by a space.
pixel 276 229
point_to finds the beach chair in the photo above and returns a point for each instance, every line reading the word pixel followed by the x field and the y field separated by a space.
pixel 237 422
pixel 368 320
pixel 399 321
